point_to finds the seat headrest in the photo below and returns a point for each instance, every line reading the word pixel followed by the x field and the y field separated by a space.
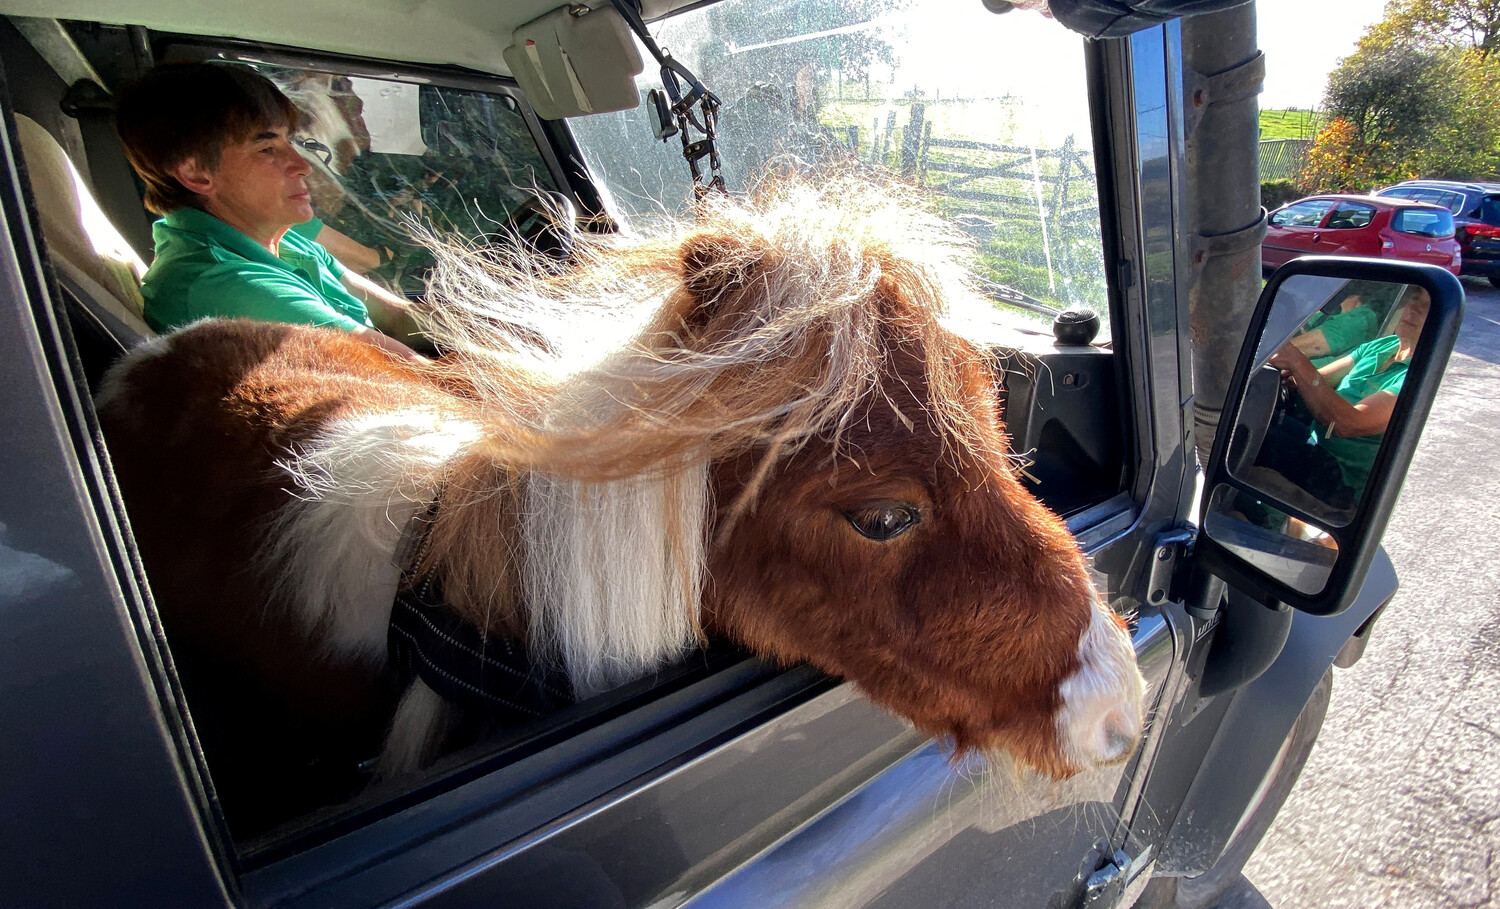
pixel 79 235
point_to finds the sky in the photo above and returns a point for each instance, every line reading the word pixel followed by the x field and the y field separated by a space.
pixel 972 53
pixel 1303 41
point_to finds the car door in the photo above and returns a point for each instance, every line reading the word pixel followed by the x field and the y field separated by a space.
pixel 1304 543
pixel 1292 231
pixel 1346 231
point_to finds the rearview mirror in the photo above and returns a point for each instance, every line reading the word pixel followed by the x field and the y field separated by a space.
pixel 1328 400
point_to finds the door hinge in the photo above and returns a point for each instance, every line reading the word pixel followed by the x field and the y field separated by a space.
pixel 1118 881
pixel 1169 556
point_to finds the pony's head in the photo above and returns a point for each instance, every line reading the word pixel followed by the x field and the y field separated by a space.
pixel 863 511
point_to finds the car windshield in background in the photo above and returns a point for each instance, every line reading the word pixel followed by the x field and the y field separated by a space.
pixel 987 113
pixel 1423 222
pixel 1454 202
pixel 388 155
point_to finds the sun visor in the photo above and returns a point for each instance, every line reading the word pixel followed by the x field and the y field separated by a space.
pixel 571 65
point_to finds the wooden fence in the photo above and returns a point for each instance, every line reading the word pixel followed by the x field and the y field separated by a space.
pixel 1283 159
pixel 1032 201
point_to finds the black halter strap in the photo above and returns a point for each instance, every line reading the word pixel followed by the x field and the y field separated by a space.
pixel 673 114
pixel 488 675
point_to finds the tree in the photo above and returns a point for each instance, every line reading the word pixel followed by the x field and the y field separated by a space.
pixel 1420 96
pixel 1333 164
pixel 1390 91
pixel 1459 24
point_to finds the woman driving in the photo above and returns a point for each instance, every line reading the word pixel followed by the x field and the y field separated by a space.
pixel 1352 398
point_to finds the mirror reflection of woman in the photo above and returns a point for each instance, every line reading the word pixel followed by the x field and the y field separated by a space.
pixel 1352 398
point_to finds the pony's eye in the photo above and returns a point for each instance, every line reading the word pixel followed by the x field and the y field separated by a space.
pixel 884 522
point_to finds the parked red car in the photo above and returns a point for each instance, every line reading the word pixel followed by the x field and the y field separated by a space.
pixel 1345 225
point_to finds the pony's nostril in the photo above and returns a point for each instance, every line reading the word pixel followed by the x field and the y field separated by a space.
pixel 1121 734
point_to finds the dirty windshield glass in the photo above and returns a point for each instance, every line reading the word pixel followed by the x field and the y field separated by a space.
pixel 987 112
pixel 388 154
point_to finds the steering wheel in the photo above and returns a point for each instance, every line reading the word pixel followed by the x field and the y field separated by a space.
pixel 547 223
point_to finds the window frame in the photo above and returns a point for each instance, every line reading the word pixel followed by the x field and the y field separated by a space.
pixel 1351 206
pixel 98 633
pixel 683 724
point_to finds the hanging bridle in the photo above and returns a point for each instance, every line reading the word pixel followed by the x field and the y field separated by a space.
pixel 672 113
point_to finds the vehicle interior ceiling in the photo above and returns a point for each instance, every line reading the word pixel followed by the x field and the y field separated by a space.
pixel 1062 408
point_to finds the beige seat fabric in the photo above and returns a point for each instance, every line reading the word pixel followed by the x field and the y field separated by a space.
pixel 85 247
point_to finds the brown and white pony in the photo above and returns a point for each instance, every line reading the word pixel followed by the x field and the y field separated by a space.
pixel 758 426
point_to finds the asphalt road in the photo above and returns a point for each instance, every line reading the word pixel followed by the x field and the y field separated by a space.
pixel 1399 805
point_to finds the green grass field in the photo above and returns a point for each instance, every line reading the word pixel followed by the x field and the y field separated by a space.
pixel 1028 234
pixel 1289 124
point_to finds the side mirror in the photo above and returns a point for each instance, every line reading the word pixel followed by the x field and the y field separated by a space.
pixel 1328 400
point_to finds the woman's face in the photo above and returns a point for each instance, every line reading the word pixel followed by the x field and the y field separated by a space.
pixel 259 185
pixel 1414 305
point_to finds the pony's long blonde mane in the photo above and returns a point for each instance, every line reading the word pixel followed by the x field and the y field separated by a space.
pixel 766 321
pixel 612 383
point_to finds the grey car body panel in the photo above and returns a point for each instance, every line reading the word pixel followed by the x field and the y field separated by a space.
pixel 1258 718
pixel 97 809
pixel 897 841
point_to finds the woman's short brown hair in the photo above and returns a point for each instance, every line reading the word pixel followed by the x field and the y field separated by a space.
pixel 182 111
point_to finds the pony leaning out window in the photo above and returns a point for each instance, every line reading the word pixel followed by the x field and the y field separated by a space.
pixel 793 451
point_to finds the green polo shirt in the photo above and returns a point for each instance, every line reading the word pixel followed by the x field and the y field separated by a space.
pixel 1374 371
pixel 204 268
pixel 1343 331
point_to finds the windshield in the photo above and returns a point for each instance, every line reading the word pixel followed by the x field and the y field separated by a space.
pixel 988 113
pixel 390 155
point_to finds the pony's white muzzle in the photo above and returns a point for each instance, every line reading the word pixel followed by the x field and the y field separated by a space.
pixel 1100 721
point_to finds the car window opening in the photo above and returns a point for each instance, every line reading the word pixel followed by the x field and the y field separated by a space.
pixel 1013 169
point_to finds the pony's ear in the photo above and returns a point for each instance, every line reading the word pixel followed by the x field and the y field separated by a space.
pixel 716 266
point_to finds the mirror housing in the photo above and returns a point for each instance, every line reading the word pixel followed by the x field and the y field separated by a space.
pixel 1273 567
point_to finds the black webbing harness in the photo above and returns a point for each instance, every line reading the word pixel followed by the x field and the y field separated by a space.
pixel 672 113
pixel 427 640
pixel 487 675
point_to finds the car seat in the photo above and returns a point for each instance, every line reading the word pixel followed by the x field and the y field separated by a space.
pixel 97 269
